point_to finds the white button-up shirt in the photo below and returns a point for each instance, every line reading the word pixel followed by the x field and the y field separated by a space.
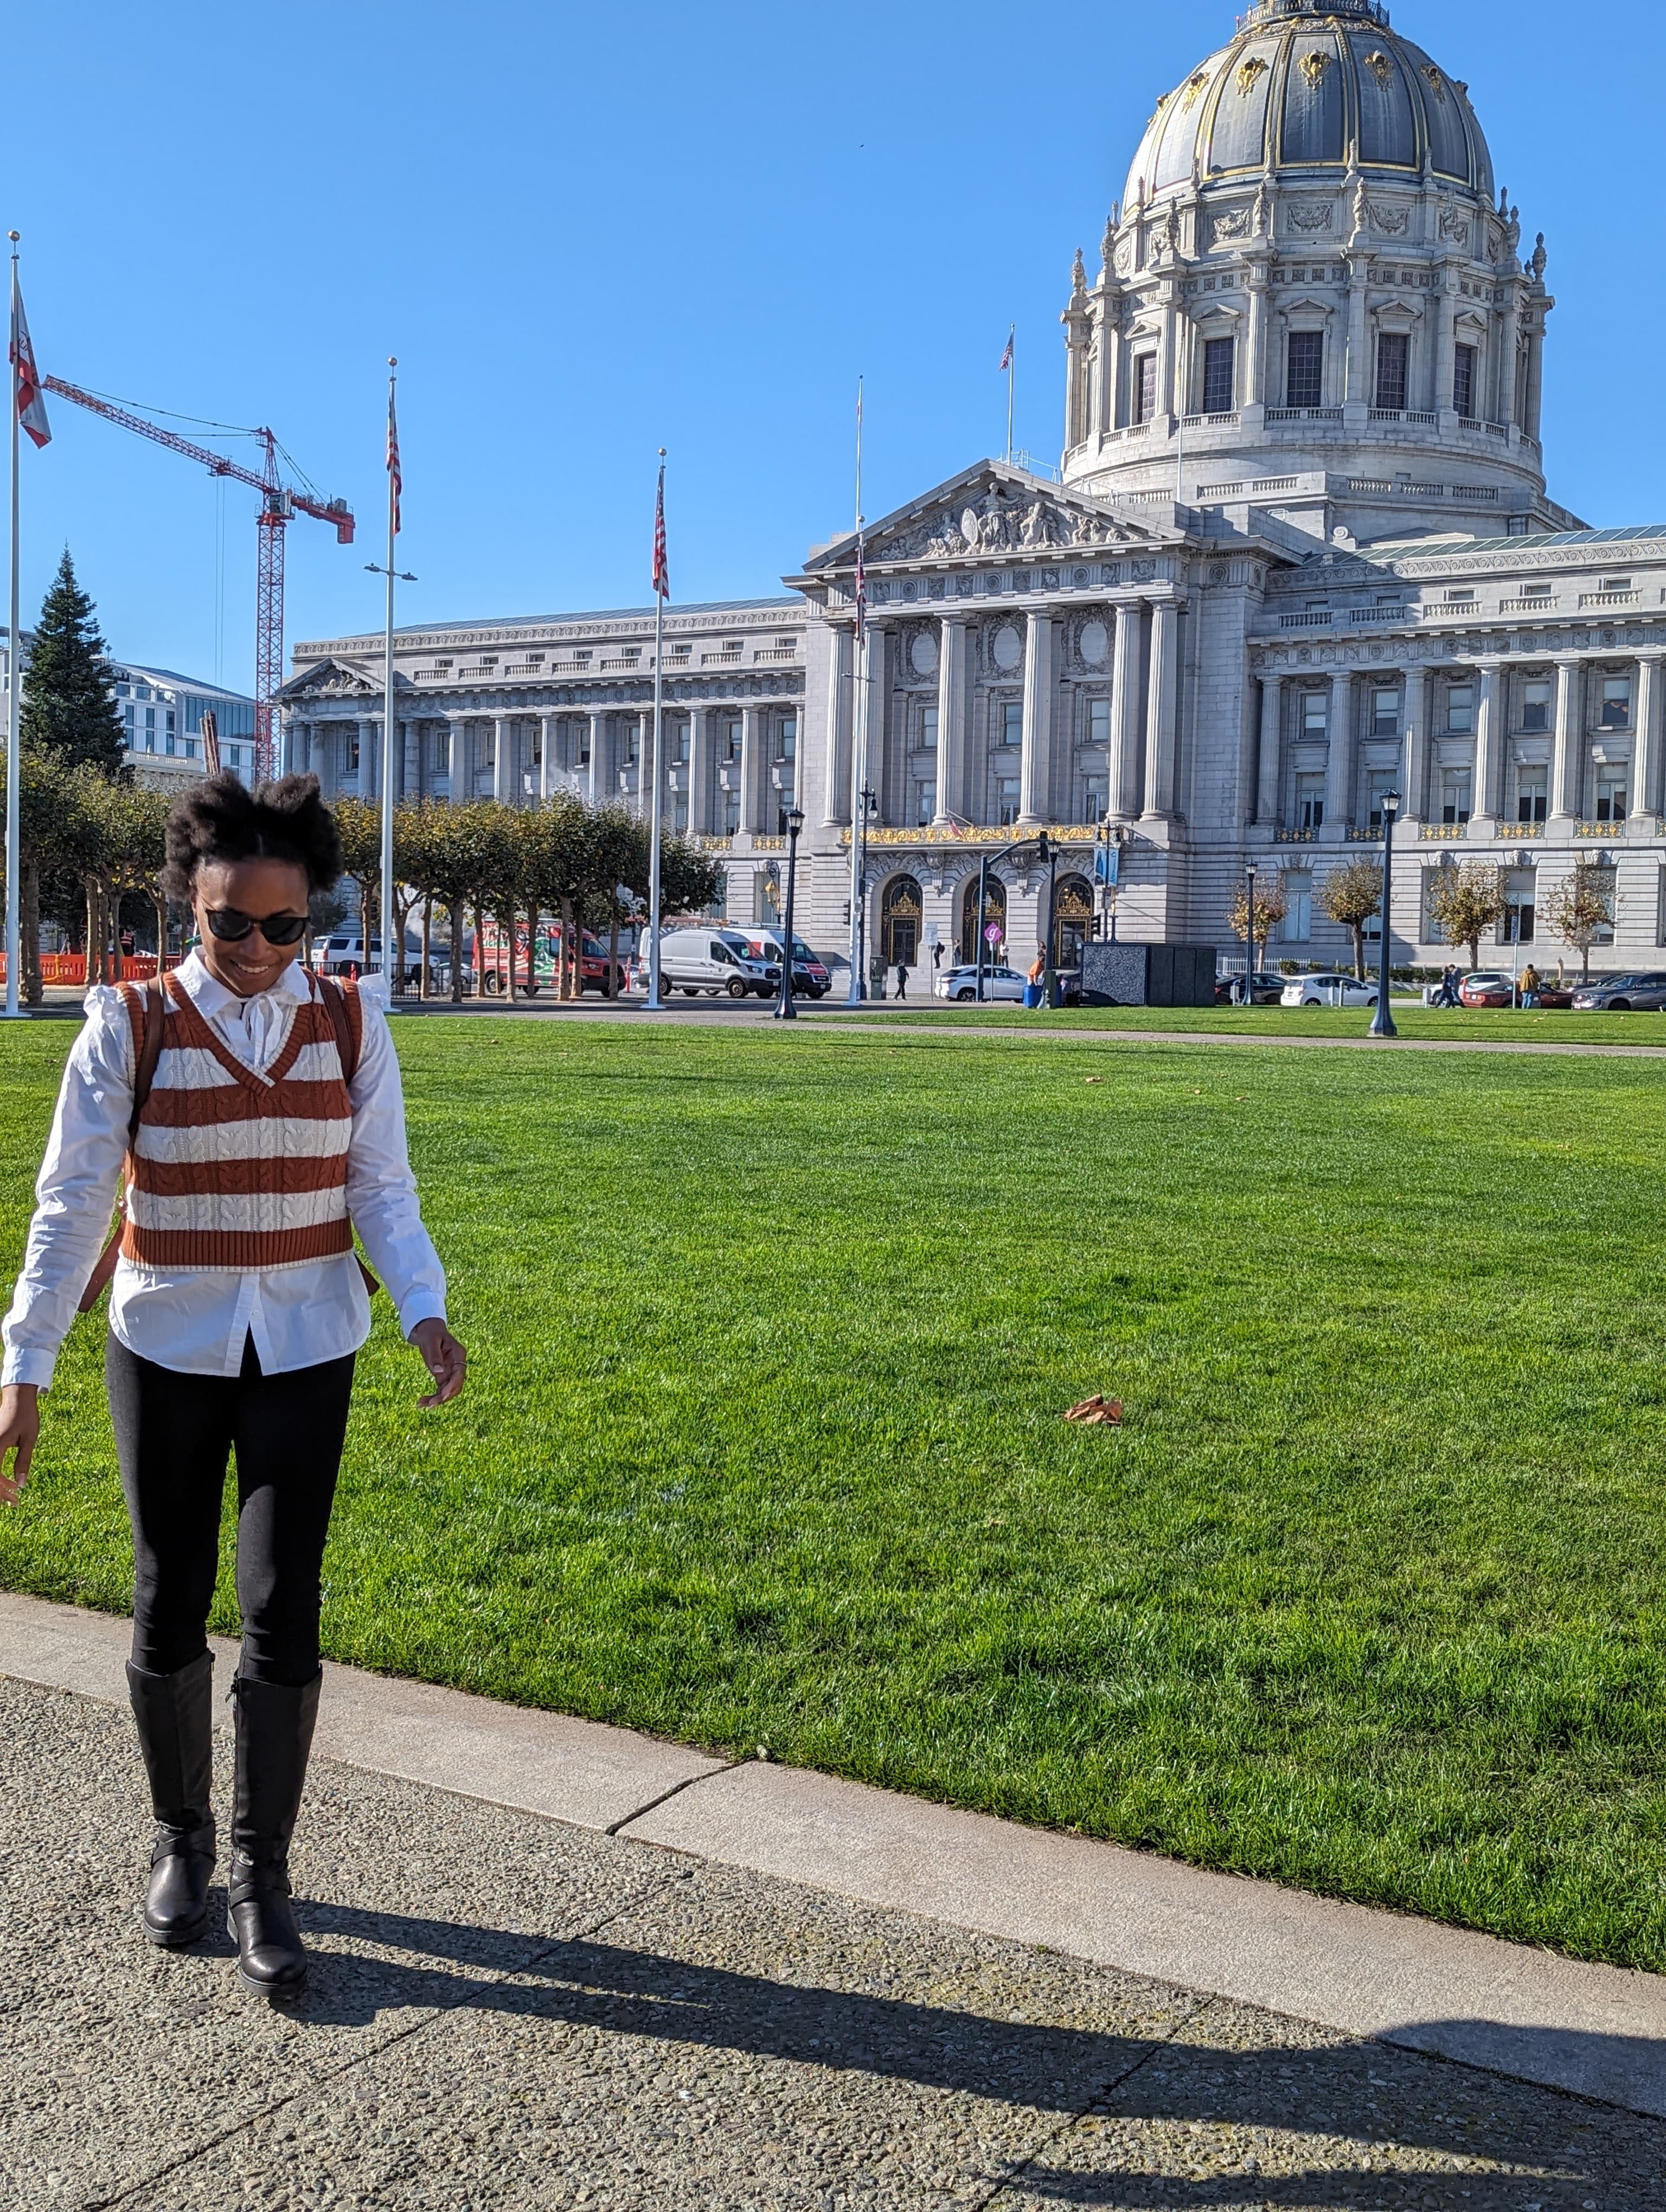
pixel 196 1321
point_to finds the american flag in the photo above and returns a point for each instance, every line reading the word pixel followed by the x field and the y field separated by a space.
pixel 395 481
pixel 31 407
pixel 661 572
pixel 1007 358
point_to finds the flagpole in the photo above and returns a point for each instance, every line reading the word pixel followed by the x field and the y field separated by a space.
pixel 657 815
pixel 1012 373
pixel 13 688
pixel 390 901
pixel 858 742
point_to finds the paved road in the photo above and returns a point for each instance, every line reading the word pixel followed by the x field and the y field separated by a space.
pixel 508 2012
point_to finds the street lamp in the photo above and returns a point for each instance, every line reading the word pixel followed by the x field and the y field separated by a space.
pixel 1383 1021
pixel 1049 852
pixel 1250 932
pixel 785 1010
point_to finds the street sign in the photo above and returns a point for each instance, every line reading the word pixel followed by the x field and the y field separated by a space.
pixel 992 933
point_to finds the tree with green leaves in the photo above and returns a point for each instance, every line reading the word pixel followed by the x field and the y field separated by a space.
pixel 1465 902
pixel 1350 895
pixel 68 698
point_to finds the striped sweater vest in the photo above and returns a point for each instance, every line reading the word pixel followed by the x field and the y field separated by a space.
pixel 235 1170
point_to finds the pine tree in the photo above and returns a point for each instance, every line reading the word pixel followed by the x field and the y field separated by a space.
pixel 69 704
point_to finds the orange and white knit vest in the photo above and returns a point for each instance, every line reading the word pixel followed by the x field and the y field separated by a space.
pixel 235 1170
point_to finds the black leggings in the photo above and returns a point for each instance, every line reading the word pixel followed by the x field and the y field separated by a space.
pixel 174 1433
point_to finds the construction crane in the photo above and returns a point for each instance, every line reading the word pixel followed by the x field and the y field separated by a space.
pixel 278 500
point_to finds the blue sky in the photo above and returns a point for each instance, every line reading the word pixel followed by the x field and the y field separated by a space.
pixel 590 232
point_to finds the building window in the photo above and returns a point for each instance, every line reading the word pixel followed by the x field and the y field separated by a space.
pixel 1463 382
pixel 1315 714
pixel 1145 386
pixel 581 757
pixel 1379 781
pixel 682 742
pixel 1461 709
pixel 1455 794
pixel 1006 800
pixel 628 751
pixel 1393 358
pixel 1099 722
pixel 1616 703
pixel 1520 908
pixel 349 755
pixel 1532 794
pixel 1297 927
pixel 924 800
pixel 731 813
pixel 150 741
pixel 787 742
pixel 1310 802
pixel 1304 381
pixel 150 718
pixel 1385 714
pixel 731 732
pixel 1009 722
pixel 1536 704
pixel 1613 793
pixel 1094 799
pixel 1432 931
pixel 928 729
pixel 1219 361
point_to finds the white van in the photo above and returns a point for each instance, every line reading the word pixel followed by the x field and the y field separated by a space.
pixel 714 960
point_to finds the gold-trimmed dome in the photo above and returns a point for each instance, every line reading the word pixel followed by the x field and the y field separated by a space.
pixel 1312 85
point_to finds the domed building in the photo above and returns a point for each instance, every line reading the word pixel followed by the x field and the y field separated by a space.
pixel 1298 556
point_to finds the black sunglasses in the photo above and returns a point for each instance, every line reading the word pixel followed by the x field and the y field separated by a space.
pixel 225 923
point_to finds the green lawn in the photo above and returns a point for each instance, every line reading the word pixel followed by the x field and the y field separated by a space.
pixel 1411 1019
pixel 772 1333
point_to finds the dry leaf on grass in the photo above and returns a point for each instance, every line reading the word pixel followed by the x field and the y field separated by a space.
pixel 1097 1413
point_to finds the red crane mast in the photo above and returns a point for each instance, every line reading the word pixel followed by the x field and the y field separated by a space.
pixel 278 500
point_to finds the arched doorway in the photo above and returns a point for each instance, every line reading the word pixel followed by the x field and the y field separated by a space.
pixel 1072 920
pixel 994 915
pixel 901 909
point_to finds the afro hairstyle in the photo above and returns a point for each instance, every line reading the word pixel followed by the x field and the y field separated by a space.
pixel 220 819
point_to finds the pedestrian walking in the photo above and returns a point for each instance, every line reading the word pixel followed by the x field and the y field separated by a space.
pixel 258 1109
pixel 1448 988
pixel 901 979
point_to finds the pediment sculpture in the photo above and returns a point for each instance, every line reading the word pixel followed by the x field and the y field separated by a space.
pixel 998 522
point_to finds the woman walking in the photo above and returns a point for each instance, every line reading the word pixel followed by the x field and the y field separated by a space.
pixel 259 1112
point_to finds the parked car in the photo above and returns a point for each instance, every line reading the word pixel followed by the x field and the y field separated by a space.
pixel 1488 987
pixel 718 961
pixel 961 983
pixel 810 978
pixel 342 953
pixel 1320 989
pixel 1644 992
pixel 1265 990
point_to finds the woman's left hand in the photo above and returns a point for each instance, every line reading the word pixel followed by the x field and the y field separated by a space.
pixel 447 1362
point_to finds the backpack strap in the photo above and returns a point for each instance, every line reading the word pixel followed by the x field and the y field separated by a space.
pixel 145 1012
pixel 341 1003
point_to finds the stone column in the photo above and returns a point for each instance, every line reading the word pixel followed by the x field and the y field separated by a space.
pixel 1509 348
pixel 1645 762
pixel 1125 712
pixel 953 717
pixel 1489 752
pixel 1446 306
pixel 502 748
pixel 410 753
pixel 1536 383
pixel 1168 381
pixel 457 758
pixel 700 771
pixel 1339 759
pixel 599 749
pixel 547 727
pixel 840 704
pixel 1162 707
pixel 369 746
pixel 1567 776
pixel 1356 391
pixel 1415 745
pixel 1254 378
pixel 1034 793
pixel 1113 355
pixel 751 770
pixel 1270 792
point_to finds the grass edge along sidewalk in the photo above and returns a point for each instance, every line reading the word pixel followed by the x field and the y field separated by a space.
pixel 765 1445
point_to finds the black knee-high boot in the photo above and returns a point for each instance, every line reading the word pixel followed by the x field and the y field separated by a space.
pixel 175 1717
pixel 273 1736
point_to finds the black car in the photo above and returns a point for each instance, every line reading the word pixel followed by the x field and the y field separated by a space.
pixel 1265 990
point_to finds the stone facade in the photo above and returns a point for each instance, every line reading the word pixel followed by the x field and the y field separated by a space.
pixel 1298 552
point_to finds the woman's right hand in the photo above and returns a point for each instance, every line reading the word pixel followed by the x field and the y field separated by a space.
pixel 19 1426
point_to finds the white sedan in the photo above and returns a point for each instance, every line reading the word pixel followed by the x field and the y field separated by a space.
pixel 998 983
pixel 1322 989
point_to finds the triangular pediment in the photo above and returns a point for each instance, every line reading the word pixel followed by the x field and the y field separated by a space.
pixel 331 679
pixel 990 510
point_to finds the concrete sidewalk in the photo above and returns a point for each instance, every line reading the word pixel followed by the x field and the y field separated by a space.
pixel 561 1965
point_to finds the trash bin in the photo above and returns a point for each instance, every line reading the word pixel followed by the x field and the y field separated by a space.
pixel 1034 993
